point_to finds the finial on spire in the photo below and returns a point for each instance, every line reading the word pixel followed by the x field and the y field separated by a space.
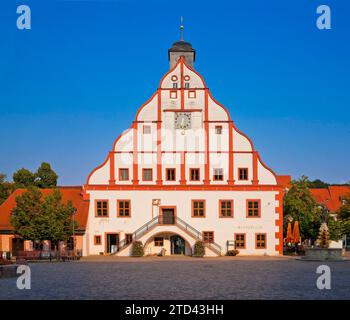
pixel 182 29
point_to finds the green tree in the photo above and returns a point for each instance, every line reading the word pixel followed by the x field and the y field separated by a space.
pixel 318 184
pixel 23 178
pixel 301 206
pixel 45 177
pixel 5 188
pixel 344 210
pixel 36 218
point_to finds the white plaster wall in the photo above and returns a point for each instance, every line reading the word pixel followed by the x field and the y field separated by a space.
pixel 265 176
pixel 240 142
pixel 149 110
pixel 243 160
pixel 142 211
pixel 101 175
pixel 216 112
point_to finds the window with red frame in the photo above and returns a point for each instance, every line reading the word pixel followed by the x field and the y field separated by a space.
pixel 124 208
pixel 170 174
pixel 226 208
pixel 123 174
pixel 218 174
pixel 158 241
pixel 239 240
pixel 101 208
pixel 97 240
pixel 194 174
pixel 198 208
pixel 208 236
pixel 218 129
pixel 128 238
pixel 146 129
pixel 147 175
pixel 253 208
pixel 243 174
pixel 260 241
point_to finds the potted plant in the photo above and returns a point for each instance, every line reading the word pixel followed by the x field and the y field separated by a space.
pixel 137 249
pixel 199 249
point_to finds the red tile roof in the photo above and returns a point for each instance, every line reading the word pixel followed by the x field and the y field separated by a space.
pixel 331 197
pixel 284 181
pixel 68 193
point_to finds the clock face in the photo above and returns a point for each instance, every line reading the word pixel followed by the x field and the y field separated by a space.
pixel 182 120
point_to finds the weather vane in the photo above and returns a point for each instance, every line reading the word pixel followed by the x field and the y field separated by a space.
pixel 182 30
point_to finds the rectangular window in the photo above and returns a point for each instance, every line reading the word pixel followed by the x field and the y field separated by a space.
pixel 240 240
pixel 208 236
pixel 242 173
pixel 260 241
pixel 158 241
pixel 187 85
pixel 198 208
pixel 128 238
pixel 147 174
pixel 101 208
pixel 173 94
pixel 194 174
pixel 170 174
pixel 124 208
pixel 218 174
pixel 226 208
pixel 253 208
pixel 97 240
pixel 218 129
pixel 191 94
pixel 124 174
pixel 146 129
pixel 175 85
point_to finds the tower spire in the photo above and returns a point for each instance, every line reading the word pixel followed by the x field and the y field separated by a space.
pixel 182 29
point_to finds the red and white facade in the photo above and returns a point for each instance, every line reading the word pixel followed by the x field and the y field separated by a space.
pixel 180 173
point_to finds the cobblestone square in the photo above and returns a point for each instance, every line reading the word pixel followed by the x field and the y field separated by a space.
pixel 182 278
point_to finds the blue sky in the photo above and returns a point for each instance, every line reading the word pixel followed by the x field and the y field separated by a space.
pixel 73 83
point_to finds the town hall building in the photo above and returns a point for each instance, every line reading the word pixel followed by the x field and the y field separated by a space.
pixel 183 172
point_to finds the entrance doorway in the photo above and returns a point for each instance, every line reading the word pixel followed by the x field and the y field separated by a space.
pixel 168 216
pixel 112 242
pixel 177 245
pixel 17 245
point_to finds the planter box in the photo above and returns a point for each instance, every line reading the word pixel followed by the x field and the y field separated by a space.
pixel 322 254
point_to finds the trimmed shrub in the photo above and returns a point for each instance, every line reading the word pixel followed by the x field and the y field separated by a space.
pixel 199 249
pixel 233 252
pixel 137 249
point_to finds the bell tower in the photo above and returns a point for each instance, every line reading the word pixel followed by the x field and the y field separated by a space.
pixel 181 48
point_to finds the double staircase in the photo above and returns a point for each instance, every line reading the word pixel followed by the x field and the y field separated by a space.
pixel 158 220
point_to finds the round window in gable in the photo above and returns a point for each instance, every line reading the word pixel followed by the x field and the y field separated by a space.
pixel 174 78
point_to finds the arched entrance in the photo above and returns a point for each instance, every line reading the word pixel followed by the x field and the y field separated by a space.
pixel 167 243
pixel 177 244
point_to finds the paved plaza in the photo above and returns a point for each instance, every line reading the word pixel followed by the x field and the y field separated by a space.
pixel 180 278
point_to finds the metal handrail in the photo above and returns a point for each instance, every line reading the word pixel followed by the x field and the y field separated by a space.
pixel 179 222
pixel 197 234
pixel 138 233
